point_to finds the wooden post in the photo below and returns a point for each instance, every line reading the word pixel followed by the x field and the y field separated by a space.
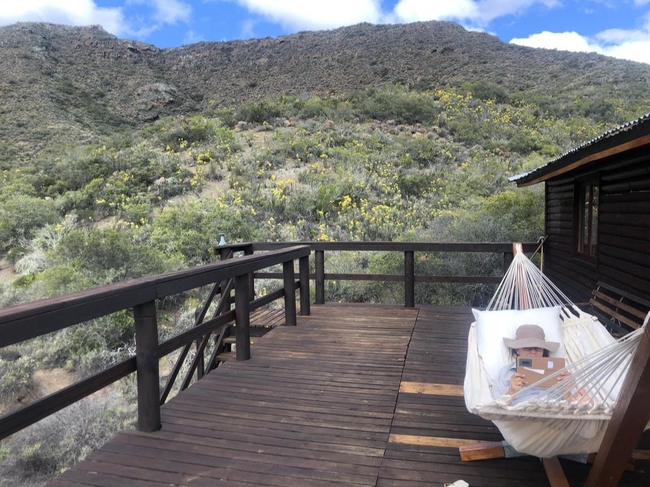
pixel 409 279
pixel 320 276
pixel 146 346
pixel 242 318
pixel 224 254
pixel 554 472
pixel 303 271
pixel 630 416
pixel 289 293
pixel 507 260
pixel 200 368
pixel 251 289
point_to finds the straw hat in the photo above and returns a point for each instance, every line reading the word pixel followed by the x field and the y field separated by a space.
pixel 531 336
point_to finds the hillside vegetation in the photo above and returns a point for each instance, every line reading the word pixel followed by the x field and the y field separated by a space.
pixel 358 145
pixel 66 85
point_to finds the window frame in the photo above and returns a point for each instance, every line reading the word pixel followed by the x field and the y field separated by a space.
pixel 587 203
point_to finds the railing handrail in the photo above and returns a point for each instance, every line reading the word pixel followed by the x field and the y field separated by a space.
pixel 30 320
pixel 487 247
pixel 34 319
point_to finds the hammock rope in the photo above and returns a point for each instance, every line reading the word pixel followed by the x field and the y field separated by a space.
pixel 571 416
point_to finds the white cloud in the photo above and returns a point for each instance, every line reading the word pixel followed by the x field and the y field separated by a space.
pixel 564 41
pixel 633 44
pixel 192 37
pixel 303 14
pixel 472 13
pixel 70 12
pixel 87 12
pixel 248 29
pixel 167 11
pixel 633 51
pixel 423 10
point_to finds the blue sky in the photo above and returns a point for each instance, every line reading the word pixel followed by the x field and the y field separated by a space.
pixel 619 28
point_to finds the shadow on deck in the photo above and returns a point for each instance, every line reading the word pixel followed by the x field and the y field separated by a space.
pixel 354 395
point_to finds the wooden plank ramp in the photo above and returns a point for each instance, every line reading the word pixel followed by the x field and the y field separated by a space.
pixel 355 395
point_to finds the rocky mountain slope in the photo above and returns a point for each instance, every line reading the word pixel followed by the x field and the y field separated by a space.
pixel 64 84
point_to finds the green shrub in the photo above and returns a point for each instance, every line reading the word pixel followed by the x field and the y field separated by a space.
pixel 191 229
pixel 110 255
pixel 16 379
pixel 45 449
pixel 21 216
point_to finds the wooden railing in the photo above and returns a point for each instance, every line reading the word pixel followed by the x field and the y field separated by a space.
pixel 31 320
pixel 407 248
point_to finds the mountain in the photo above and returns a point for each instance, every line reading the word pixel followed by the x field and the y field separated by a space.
pixel 63 84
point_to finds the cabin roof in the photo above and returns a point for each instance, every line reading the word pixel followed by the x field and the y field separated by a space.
pixel 630 135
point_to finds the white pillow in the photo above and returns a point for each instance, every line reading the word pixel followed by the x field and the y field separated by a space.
pixel 493 326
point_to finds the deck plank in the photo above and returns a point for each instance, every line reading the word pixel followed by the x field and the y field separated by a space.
pixel 355 395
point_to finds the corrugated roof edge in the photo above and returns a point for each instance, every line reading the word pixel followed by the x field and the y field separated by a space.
pixel 558 160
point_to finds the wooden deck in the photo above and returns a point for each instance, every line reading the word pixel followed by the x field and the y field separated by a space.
pixel 355 395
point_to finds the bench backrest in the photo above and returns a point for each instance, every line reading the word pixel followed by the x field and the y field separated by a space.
pixel 620 311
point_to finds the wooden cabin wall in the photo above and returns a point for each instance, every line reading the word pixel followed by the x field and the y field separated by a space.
pixel 623 256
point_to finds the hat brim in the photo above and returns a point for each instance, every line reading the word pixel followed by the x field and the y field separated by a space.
pixel 531 342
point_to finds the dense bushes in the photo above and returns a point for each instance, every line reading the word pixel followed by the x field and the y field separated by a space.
pixel 21 216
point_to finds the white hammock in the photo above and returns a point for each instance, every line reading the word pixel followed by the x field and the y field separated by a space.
pixel 570 417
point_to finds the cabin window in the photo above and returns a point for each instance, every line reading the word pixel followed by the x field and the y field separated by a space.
pixel 587 219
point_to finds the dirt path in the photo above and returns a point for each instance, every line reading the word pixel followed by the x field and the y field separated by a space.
pixel 49 381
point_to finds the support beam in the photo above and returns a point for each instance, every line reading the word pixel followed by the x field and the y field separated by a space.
pixel 289 293
pixel 242 318
pixel 409 279
pixel 554 472
pixel 320 276
pixel 303 271
pixel 628 421
pixel 146 346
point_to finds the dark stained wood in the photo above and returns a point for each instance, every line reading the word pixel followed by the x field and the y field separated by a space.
pixel 303 271
pixel 409 279
pixel 242 317
pixel 320 276
pixel 487 247
pixel 354 395
pixel 623 225
pixel 146 354
pixel 629 419
pixel 289 293
pixel 20 323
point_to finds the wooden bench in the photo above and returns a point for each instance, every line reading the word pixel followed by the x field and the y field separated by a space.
pixel 620 311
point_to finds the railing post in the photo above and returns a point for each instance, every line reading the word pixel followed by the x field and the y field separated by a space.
pixel 200 368
pixel 409 279
pixel 629 418
pixel 225 254
pixel 303 270
pixel 146 346
pixel 251 278
pixel 320 276
pixel 289 293
pixel 242 318
pixel 507 260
